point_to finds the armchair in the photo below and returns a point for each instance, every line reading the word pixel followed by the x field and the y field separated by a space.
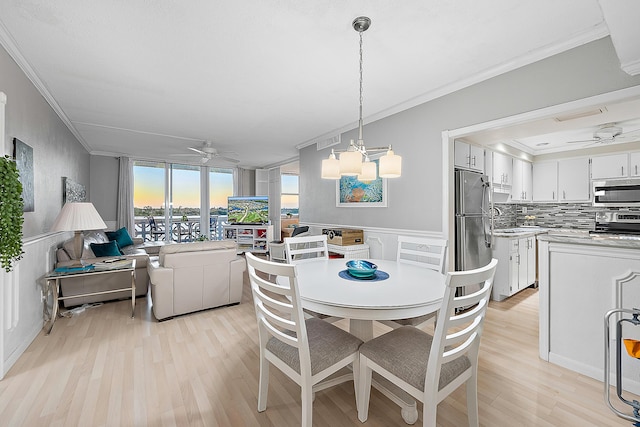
pixel 196 276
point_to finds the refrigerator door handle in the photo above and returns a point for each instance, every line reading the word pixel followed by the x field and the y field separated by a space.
pixel 485 191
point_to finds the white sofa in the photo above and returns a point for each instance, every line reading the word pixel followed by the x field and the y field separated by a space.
pixel 190 277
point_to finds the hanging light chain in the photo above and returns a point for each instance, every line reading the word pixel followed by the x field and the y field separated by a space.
pixel 360 124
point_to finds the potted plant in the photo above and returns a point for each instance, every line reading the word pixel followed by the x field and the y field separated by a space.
pixel 11 219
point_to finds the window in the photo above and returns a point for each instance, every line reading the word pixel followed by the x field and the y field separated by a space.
pixel 148 189
pixel 289 197
pixel 177 194
pixel 185 191
pixel 220 188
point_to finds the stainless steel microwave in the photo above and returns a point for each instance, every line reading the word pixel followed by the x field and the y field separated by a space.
pixel 617 192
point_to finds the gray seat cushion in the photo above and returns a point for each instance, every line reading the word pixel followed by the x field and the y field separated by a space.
pixel 405 352
pixel 328 344
pixel 415 321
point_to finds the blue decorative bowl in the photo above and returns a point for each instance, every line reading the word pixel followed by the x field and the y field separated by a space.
pixel 361 269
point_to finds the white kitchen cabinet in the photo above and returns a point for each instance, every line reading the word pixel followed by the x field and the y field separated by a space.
pixel 573 180
pixel 634 164
pixel 502 170
pixel 468 156
pixel 522 182
pixel 545 181
pixel 516 265
pixel 610 166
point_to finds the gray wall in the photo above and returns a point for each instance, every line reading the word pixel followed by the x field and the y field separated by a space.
pixel 415 199
pixel 104 186
pixel 56 151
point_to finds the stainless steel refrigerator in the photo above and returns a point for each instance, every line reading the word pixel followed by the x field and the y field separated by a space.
pixel 473 234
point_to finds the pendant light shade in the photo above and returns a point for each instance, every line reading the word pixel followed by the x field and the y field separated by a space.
pixel 355 160
pixel 368 171
pixel 390 165
pixel 331 167
pixel 350 163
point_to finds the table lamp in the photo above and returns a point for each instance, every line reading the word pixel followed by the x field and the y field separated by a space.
pixel 77 217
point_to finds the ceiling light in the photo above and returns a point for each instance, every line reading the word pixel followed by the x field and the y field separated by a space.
pixel 579 115
pixel 354 161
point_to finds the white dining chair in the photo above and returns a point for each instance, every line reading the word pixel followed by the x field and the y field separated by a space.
pixel 428 367
pixel 277 249
pixel 307 351
pixel 306 248
pixel 424 252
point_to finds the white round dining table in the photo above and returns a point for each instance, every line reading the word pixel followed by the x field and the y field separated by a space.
pixel 409 291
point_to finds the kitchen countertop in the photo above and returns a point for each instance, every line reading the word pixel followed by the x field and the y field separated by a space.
pixel 581 237
pixel 519 231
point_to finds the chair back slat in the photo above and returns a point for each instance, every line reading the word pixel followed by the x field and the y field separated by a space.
pixel 305 248
pixel 458 334
pixel 277 305
pixel 423 252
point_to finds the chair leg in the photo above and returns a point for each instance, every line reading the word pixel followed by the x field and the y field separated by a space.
pixel 306 393
pixel 472 399
pixel 356 378
pixel 364 389
pixel 263 385
pixel 429 408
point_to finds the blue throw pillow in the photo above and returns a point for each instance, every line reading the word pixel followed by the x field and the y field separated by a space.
pixel 106 249
pixel 121 236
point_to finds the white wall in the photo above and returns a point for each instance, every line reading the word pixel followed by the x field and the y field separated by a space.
pixel 415 199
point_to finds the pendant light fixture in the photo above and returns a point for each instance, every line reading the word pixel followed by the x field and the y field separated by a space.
pixel 354 161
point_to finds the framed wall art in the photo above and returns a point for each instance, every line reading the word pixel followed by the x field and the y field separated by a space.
pixel 350 192
pixel 23 154
pixel 72 191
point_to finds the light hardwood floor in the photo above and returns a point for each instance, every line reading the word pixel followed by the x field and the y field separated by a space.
pixel 102 368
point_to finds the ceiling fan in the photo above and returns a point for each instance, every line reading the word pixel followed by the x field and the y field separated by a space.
pixel 608 133
pixel 208 152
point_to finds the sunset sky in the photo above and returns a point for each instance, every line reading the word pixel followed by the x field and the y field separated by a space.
pixel 149 188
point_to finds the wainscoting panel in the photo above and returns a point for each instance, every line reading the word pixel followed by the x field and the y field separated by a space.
pixel 22 297
pixel 383 242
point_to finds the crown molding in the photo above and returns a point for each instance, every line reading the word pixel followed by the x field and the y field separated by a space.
pixel 12 49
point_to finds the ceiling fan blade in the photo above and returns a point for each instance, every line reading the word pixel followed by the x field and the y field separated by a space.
pixel 228 159
pixel 584 141
pixel 202 153
pixel 630 132
pixel 184 155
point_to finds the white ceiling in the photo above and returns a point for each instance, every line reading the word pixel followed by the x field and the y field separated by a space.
pixel 149 79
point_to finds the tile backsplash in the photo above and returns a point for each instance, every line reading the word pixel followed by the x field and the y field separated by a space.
pixel 551 215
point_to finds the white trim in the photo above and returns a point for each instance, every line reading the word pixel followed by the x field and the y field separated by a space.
pixel 599 31
pixel 542 113
pixel 632 67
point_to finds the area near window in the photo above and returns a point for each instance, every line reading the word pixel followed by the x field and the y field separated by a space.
pixel 169 199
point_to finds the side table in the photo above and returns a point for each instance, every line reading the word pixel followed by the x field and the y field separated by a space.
pixel 350 251
pixel 53 286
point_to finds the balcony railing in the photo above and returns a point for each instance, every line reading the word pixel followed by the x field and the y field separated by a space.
pixel 179 230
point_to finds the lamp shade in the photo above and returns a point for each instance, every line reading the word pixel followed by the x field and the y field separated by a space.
pixel 78 216
pixel 368 172
pixel 390 165
pixel 331 168
pixel 350 163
